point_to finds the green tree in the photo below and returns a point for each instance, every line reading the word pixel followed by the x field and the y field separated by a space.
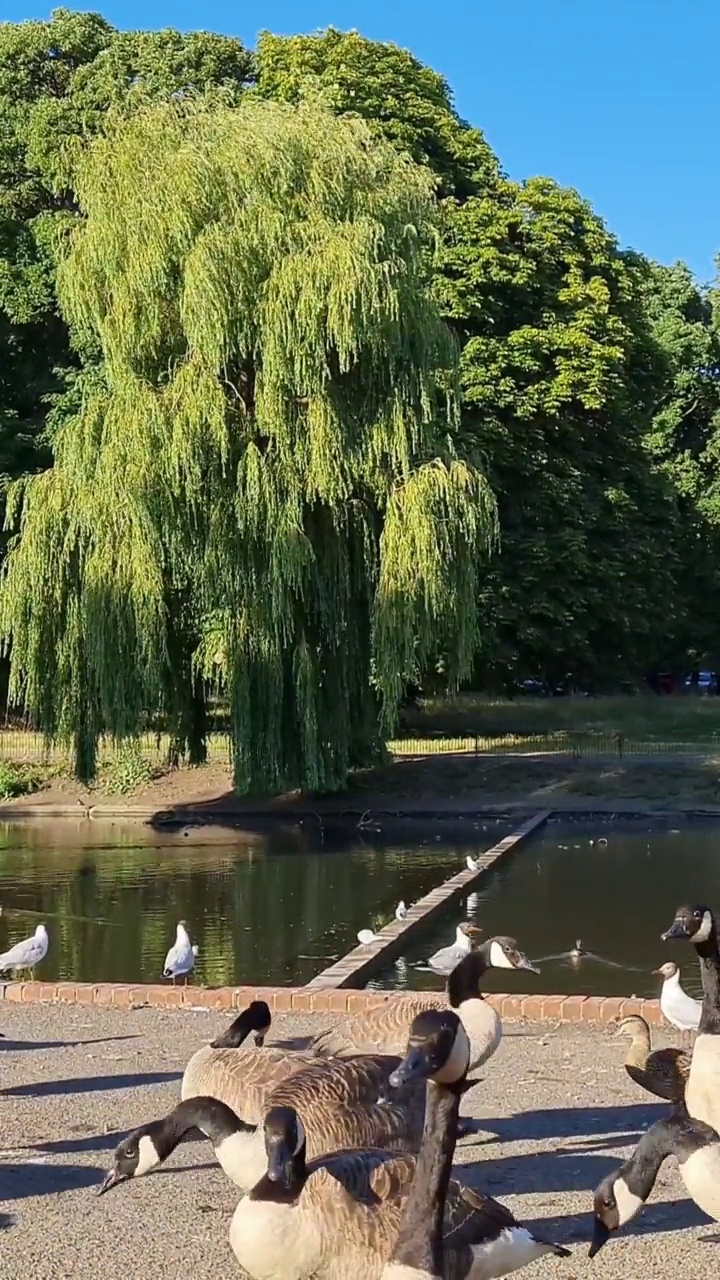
pixel 685 441
pixel 57 81
pixel 405 102
pixel 559 377
pixel 267 454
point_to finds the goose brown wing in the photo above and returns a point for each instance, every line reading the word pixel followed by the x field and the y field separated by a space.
pixel 381 1030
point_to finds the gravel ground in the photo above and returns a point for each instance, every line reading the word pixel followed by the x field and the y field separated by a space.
pixel 555 1106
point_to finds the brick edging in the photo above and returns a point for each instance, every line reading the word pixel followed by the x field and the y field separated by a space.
pixel 535 1008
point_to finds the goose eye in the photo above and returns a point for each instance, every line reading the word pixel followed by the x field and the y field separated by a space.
pixel 130 1153
pixel 610 1202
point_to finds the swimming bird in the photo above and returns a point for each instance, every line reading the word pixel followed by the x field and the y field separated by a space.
pixel 702 1096
pixel 680 1010
pixel 439 1051
pixel 338 1217
pixel 445 960
pixel 180 959
pixel 401 910
pixel 663 1072
pixel 385 1029
pixel 26 954
pixel 621 1195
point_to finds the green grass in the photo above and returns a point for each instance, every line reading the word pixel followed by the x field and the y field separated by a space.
pixel 18 779
pixel 646 718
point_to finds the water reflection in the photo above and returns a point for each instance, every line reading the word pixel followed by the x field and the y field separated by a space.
pixel 615 888
pixel 268 908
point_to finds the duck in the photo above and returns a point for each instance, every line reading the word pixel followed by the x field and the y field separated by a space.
pixel 242 1076
pixel 340 1217
pixel 445 960
pixel 385 1029
pixel 341 1105
pixel 702 1095
pixel 26 954
pixel 662 1072
pixel 180 959
pixel 439 1050
pixel 621 1195
pixel 676 1006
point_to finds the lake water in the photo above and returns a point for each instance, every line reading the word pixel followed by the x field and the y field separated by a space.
pixel 274 908
pixel 613 887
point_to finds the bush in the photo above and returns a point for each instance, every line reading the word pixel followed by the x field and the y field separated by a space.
pixel 17 779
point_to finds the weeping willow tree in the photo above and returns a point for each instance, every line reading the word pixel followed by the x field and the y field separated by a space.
pixel 261 478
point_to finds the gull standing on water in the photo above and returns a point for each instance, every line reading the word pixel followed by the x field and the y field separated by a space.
pixel 28 953
pixel 180 959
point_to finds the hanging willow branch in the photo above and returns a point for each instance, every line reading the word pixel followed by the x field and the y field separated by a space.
pixel 266 463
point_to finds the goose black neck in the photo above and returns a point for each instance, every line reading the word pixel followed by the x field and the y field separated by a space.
pixel 462 983
pixel 214 1120
pixel 419 1242
pixel 233 1036
pixel 676 1135
pixel 286 1192
pixel 707 953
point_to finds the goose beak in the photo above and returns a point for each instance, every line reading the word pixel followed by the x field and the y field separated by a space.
pixel 279 1163
pixel 521 962
pixel 677 930
pixel 416 1065
pixel 600 1237
pixel 110 1180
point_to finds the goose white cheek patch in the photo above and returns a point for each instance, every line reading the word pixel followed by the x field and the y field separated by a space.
pixel 147 1156
pixel 498 959
pixel 703 933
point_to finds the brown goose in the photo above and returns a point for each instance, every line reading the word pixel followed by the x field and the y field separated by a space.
pixel 385 1029
pixel 663 1072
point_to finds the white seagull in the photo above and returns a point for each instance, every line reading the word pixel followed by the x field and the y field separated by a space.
pixel 472 864
pixel 28 953
pixel 676 1005
pixel 400 910
pixel 365 937
pixel 446 959
pixel 180 959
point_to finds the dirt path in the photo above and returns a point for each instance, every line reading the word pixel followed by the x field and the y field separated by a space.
pixel 556 1110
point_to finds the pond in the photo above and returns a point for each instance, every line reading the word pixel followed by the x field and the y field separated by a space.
pixel 614 887
pixel 272 908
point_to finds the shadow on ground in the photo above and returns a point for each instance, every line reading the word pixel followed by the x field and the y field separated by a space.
pixel 19 1046
pixel 89 1084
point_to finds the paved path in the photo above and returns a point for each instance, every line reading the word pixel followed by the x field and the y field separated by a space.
pixel 556 1108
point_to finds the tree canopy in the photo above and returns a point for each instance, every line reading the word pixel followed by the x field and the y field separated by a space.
pixel 270 414
pixel 267 454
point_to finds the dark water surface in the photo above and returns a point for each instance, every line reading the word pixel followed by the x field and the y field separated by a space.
pixel 616 897
pixel 273 908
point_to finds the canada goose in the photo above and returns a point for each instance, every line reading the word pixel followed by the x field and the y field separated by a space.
pixel 241 1077
pixel 676 1006
pixel 338 1218
pixel 341 1104
pixel 26 954
pixel 622 1194
pixel 445 960
pixel 439 1051
pixel 385 1030
pixel 702 1095
pixel 577 951
pixel 663 1072
pixel 180 959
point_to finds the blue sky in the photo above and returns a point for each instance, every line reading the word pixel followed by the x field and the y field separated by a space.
pixel 613 97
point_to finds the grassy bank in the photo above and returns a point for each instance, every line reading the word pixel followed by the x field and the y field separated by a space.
pixel 643 717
